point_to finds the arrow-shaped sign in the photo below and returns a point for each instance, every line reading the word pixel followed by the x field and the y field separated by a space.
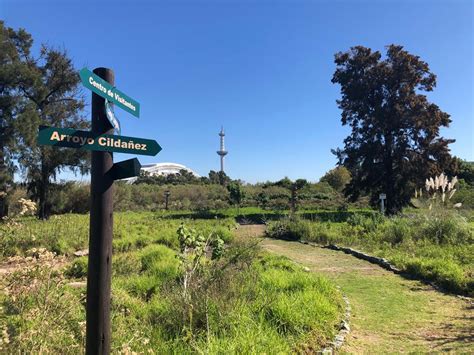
pixel 103 88
pixel 72 138
pixel 125 169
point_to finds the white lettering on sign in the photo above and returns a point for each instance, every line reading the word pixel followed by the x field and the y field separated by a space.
pixel 102 141
pixel 124 102
pixel 55 137
pixel 119 143
pixel 97 85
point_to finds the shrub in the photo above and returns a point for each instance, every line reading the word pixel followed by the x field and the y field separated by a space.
pixel 447 228
pixel 444 272
pixel 369 223
pixel 325 233
pixel 290 229
pixel 397 230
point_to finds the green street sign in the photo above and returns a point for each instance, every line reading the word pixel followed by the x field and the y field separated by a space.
pixel 102 88
pixel 125 169
pixel 73 138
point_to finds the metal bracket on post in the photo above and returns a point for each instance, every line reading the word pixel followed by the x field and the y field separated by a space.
pixel 125 169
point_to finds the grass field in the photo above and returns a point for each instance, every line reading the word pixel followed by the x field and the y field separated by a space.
pixel 390 314
pixel 245 302
pixel 435 247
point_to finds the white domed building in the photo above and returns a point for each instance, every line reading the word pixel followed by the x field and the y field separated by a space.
pixel 162 169
pixel 166 169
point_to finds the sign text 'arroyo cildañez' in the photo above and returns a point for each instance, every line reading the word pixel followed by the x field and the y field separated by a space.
pixel 72 138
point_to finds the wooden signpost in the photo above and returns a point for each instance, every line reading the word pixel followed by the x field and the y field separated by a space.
pixel 102 142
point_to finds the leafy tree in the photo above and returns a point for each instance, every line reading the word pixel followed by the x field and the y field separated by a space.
pixel 285 182
pixel 466 171
pixel 395 141
pixel 236 193
pixel 14 45
pixel 53 99
pixel 262 199
pixel 337 178
pixel 183 177
pixel 295 188
pixel 218 178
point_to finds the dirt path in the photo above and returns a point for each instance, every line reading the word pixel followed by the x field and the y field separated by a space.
pixel 390 314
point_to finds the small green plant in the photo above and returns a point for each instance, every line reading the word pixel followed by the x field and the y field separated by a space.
pixel 236 194
pixel 193 252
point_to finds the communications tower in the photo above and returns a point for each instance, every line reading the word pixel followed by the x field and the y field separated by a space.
pixel 222 152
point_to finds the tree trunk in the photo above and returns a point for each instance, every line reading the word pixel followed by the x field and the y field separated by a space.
pixel 389 183
pixel 44 208
pixel 4 177
pixel 3 206
pixel 293 199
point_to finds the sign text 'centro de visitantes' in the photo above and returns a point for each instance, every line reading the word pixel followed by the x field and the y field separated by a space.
pixel 103 88
pixel 72 138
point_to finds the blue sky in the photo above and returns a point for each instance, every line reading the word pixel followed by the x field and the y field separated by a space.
pixel 262 69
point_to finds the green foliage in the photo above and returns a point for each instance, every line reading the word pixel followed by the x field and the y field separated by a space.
pixel 244 301
pixel 290 229
pixel 183 177
pixel 126 264
pixel 466 171
pixel 446 273
pixel 288 288
pixel 69 197
pixel 77 269
pixel 52 96
pixel 338 178
pixel 434 245
pixel 465 196
pixel 145 197
pixel 35 91
pixel 17 237
pixel 73 197
pixel 220 178
pixel 367 223
pixel 236 194
pixel 13 46
pixel 159 260
pixel 40 314
pixel 193 247
pixel 447 228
